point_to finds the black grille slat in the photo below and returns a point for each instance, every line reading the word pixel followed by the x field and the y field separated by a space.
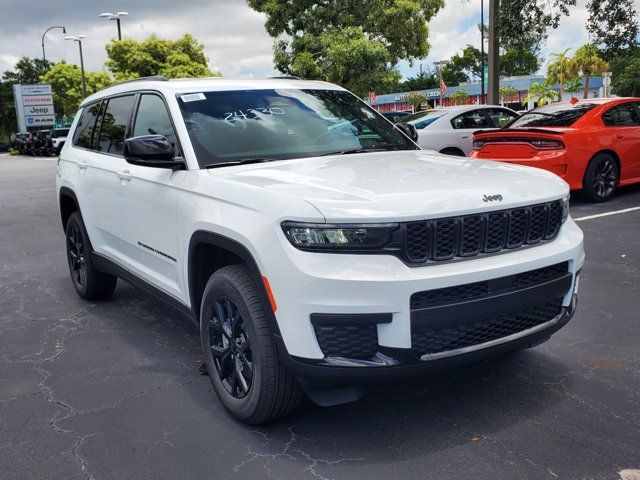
pixel 431 341
pixel 444 238
pixel 347 341
pixel 517 227
pixel 491 232
pixel 417 241
pixel 471 291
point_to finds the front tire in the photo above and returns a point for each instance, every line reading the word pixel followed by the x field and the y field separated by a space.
pixel 239 352
pixel 89 282
pixel 601 178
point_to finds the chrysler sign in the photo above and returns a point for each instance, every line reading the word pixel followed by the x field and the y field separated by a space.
pixel 34 106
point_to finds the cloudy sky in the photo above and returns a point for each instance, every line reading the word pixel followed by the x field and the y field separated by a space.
pixel 233 34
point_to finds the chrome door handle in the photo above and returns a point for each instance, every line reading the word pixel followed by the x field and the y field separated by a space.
pixel 82 166
pixel 124 175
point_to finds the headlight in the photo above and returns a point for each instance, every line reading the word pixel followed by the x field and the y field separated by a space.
pixel 565 208
pixel 313 236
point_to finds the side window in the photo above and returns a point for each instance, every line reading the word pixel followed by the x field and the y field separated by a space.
pixel 500 117
pixel 472 119
pixel 621 116
pixel 153 119
pixel 84 130
pixel 114 125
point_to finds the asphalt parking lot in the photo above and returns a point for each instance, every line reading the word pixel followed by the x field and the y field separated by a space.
pixel 112 390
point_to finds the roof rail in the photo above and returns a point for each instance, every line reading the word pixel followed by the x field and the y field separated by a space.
pixel 286 77
pixel 157 78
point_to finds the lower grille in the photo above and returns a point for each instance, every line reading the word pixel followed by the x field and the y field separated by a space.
pixel 348 341
pixel 429 341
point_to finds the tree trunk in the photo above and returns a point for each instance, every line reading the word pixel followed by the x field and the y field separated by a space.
pixel 587 77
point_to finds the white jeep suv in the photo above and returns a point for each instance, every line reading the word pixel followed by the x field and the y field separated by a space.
pixel 315 245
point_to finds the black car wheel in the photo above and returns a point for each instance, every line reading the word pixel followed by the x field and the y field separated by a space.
pixel 239 351
pixel 601 178
pixel 89 282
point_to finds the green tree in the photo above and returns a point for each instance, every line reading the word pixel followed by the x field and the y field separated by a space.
pixel 518 62
pixel 459 97
pixel 613 26
pixel 587 60
pixel 573 85
pixel 507 93
pixel 561 68
pixel 423 81
pixel 184 57
pixel 541 93
pixel 625 79
pixel 356 43
pixel 66 86
pixel 523 24
pixel 415 99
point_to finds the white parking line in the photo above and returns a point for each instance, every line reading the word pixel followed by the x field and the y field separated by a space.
pixel 606 214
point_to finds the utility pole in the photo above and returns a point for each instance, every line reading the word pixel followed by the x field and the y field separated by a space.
pixel 116 17
pixel 440 66
pixel 493 93
pixel 482 52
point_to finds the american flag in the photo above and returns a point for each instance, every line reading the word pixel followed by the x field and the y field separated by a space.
pixel 443 87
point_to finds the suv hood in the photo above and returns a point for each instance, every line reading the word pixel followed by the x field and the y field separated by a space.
pixel 404 185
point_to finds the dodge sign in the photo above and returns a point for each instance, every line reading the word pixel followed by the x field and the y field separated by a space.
pixel 34 106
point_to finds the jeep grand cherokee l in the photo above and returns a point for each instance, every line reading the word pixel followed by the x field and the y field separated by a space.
pixel 315 245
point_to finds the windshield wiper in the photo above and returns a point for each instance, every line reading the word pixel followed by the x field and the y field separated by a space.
pixel 359 150
pixel 243 161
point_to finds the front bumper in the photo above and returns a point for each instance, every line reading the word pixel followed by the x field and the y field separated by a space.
pixel 307 284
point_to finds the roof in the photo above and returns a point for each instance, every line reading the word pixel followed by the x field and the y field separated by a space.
pixel 193 85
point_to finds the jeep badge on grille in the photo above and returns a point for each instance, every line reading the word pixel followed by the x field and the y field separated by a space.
pixel 492 198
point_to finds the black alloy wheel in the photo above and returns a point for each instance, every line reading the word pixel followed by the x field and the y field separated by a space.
pixel 76 257
pixel 601 178
pixel 231 348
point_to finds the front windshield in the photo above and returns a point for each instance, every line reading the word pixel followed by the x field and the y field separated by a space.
pixel 424 118
pixel 240 125
pixel 555 115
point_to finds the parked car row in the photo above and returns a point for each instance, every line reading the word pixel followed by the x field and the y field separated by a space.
pixel 592 144
pixel 40 143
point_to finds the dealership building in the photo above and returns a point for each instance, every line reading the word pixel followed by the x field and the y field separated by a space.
pixel 396 101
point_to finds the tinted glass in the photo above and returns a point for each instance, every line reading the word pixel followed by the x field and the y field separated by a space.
pixel 424 118
pixel 113 125
pixel 59 132
pixel 624 115
pixel 232 126
pixel 473 119
pixel 153 119
pixel 84 130
pixel 555 115
pixel 500 117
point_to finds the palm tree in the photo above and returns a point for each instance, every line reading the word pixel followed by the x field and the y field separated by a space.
pixel 560 69
pixel 587 60
pixel 540 93
pixel 573 86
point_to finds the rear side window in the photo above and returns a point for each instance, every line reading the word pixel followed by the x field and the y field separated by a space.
pixel 153 119
pixel 84 130
pixel 113 125
pixel 624 115
pixel 500 117
pixel 473 119
pixel 554 115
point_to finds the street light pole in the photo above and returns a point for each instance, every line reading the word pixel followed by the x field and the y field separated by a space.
pixel 64 31
pixel 493 94
pixel 440 64
pixel 78 38
pixel 482 52
pixel 116 17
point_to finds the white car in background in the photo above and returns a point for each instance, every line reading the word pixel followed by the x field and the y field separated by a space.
pixel 449 130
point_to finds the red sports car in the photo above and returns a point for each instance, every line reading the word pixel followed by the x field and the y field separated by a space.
pixel 593 144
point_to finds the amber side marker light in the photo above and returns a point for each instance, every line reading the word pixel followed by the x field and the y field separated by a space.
pixel 272 300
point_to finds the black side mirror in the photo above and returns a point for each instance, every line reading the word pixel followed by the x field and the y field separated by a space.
pixel 409 130
pixel 151 151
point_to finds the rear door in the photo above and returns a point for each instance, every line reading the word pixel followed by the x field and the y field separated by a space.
pixel 148 204
pixel 468 122
pixel 500 117
pixel 622 122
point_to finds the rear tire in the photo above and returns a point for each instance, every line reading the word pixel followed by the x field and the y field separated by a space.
pixel 601 178
pixel 239 351
pixel 89 282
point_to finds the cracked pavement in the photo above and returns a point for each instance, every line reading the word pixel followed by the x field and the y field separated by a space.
pixel 111 390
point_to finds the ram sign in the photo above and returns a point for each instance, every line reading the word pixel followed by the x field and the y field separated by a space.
pixel 34 106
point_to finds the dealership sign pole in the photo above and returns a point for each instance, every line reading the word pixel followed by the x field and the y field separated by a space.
pixel 34 106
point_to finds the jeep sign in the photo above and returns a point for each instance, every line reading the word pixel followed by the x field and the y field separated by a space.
pixel 34 106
